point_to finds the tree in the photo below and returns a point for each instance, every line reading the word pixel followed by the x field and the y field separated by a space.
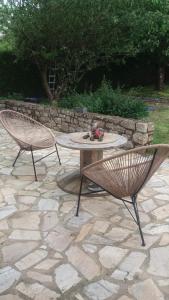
pixel 150 34
pixel 76 35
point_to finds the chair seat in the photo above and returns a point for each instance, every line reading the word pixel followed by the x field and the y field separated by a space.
pixel 37 138
pixel 102 179
pixel 120 180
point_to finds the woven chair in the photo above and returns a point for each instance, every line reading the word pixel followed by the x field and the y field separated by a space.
pixel 123 175
pixel 29 134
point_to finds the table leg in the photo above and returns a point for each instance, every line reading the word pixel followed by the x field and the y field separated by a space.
pixel 69 181
pixel 88 157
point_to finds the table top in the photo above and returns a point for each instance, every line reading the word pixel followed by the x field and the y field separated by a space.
pixel 75 141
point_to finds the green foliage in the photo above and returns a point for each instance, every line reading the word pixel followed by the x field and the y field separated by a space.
pixel 107 101
pixel 149 92
pixel 150 22
pixel 78 35
pixel 18 79
pixel 160 118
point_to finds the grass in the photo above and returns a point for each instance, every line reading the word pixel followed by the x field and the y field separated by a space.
pixel 149 92
pixel 160 118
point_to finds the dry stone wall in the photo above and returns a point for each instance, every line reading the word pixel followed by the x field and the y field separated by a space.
pixel 139 133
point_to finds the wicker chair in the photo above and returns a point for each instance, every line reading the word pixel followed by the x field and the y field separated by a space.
pixel 124 175
pixel 29 134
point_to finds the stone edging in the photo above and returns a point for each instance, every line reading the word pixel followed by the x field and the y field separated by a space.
pixel 138 132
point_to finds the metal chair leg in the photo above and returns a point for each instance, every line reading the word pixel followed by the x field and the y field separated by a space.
pixel 79 196
pixel 17 157
pixel 33 161
pixel 58 154
pixel 138 218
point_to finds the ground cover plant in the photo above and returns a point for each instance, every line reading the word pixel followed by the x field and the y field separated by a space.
pixel 149 92
pixel 106 100
pixel 160 118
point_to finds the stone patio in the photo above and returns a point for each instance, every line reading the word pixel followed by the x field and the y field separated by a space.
pixel 48 253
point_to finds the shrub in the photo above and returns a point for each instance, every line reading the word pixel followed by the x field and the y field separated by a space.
pixel 107 101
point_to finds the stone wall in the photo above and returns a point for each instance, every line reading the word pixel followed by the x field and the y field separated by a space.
pixel 139 133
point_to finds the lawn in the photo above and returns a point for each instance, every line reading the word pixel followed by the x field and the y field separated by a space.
pixel 161 120
pixel 159 117
pixel 149 92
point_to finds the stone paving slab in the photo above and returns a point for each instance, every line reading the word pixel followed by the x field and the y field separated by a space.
pixel 47 253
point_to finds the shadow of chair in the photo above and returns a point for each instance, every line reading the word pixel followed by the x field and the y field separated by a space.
pixel 123 175
pixel 29 134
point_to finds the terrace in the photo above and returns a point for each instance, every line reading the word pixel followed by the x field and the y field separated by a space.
pixel 48 253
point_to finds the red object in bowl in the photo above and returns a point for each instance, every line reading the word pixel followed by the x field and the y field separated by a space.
pixel 97 133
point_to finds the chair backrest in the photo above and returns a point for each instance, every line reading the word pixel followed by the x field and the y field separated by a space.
pixel 25 130
pixel 10 119
pixel 126 173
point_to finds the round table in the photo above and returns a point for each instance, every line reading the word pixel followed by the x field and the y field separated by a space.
pixel 90 151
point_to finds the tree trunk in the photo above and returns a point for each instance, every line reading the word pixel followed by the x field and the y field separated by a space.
pixel 161 77
pixel 45 84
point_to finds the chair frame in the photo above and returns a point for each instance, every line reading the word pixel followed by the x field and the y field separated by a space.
pixel 30 147
pixel 33 159
pixel 133 197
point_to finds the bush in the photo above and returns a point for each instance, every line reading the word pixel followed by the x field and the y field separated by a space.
pixel 107 101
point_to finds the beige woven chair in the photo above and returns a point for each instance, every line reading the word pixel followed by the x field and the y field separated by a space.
pixel 124 175
pixel 29 134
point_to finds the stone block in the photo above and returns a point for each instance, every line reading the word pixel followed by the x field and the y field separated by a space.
pixel 116 120
pixel 101 124
pixel 62 115
pixel 75 121
pixel 45 114
pixel 89 121
pixel 150 126
pixel 58 128
pixel 101 290
pixel 44 120
pixel 146 289
pixel 110 126
pixel 140 138
pixel 119 129
pixel 67 119
pixel 65 127
pixel 83 263
pixel 79 129
pixel 37 113
pixel 81 123
pixel 129 145
pixel 71 113
pixel 54 113
pixel 72 129
pixel 150 138
pixel 141 127
pixel 129 132
pixel 108 119
pixel 40 107
pixel 128 124
pixel 58 120
pixel 66 277
pixel 8 276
